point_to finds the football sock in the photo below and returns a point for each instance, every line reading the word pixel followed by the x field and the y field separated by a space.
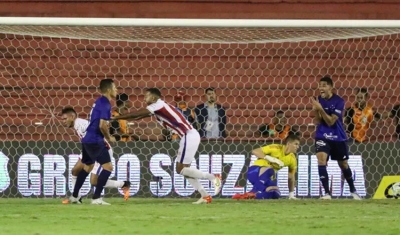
pixel 348 175
pixel 114 184
pixel 80 180
pixel 197 185
pixel 101 181
pixel 324 178
pixel 196 173
pixel 73 178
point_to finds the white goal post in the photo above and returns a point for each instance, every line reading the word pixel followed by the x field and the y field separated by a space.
pixel 256 67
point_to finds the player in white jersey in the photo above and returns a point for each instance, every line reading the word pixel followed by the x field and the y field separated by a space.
pixel 170 118
pixel 70 119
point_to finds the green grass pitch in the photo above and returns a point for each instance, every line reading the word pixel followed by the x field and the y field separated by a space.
pixel 179 216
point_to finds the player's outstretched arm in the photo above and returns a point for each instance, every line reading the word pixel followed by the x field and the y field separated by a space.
pixel 139 114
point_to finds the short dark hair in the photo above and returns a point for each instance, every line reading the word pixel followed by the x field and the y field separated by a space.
pixel 291 138
pixel 154 91
pixel 68 110
pixel 121 98
pixel 363 90
pixel 208 89
pixel 106 84
pixel 279 112
pixel 327 79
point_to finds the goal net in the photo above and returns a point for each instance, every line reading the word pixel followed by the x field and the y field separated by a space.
pixel 256 68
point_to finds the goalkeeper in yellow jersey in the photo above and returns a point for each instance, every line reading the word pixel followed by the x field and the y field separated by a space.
pixel 270 159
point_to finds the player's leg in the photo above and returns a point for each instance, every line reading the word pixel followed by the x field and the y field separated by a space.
pixel 124 185
pixel 88 150
pixel 186 154
pixel 340 153
pixel 271 192
pixel 104 159
pixel 75 171
pixel 322 149
pixel 261 178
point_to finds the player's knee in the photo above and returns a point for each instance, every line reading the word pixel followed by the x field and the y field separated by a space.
pixel 88 168
pixel 322 158
pixel 343 164
pixel 272 192
pixel 275 194
pixel 179 167
pixel 75 171
pixel 107 166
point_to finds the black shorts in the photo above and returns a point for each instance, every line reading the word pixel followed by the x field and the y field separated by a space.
pixel 96 152
pixel 337 150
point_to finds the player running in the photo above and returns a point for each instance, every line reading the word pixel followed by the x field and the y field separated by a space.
pixel 94 148
pixel 270 159
pixel 330 137
pixel 70 119
pixel 170 118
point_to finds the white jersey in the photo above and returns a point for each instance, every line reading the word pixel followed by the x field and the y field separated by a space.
pixel 80 127
pixel 169 117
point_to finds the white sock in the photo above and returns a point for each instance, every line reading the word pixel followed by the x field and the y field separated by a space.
pixel 73 178
pixel 197 185
pixel 114 184
pixel 196 173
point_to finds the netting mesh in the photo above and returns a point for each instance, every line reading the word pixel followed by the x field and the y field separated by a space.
pixel 255 72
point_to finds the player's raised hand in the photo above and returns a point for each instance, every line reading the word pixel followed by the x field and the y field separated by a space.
pixel 316 105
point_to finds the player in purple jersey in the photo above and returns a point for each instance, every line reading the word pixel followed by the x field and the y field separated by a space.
pixel 94 148
pixel 330 137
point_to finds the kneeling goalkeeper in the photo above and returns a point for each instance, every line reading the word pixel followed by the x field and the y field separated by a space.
pixel 270 159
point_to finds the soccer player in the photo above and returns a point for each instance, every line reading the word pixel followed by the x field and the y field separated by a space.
pixel 70 119
pixel 330 137
pixel 93 145
pixel 270 159
pixel 170 118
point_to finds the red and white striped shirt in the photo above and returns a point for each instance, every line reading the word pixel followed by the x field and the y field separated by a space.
pixel 169 117
pixel 80 126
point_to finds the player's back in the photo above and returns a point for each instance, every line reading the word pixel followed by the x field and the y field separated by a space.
pixel 101 110
pixel 336 132
pixel 276 151
pixel 169 117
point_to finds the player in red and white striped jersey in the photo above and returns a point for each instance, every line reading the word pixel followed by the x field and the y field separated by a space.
pixel 70 119
pixel 169 117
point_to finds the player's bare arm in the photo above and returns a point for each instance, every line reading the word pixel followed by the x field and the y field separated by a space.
pixel 105 131
pixel 139 114
pixel 258 153
pixel 329 119
pixel 291 180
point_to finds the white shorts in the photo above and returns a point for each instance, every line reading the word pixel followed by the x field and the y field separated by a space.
pixel 188 146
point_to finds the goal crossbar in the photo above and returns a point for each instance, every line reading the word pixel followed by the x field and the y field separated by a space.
pixel 226 23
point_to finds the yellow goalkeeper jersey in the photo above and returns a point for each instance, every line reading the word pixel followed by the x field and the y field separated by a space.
pixel 277 151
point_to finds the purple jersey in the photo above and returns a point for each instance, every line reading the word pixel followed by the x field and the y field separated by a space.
pixel 100 110
pixel 336 132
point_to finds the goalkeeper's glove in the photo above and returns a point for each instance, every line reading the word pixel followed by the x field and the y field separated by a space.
pixel 274 160
pixel 291 196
